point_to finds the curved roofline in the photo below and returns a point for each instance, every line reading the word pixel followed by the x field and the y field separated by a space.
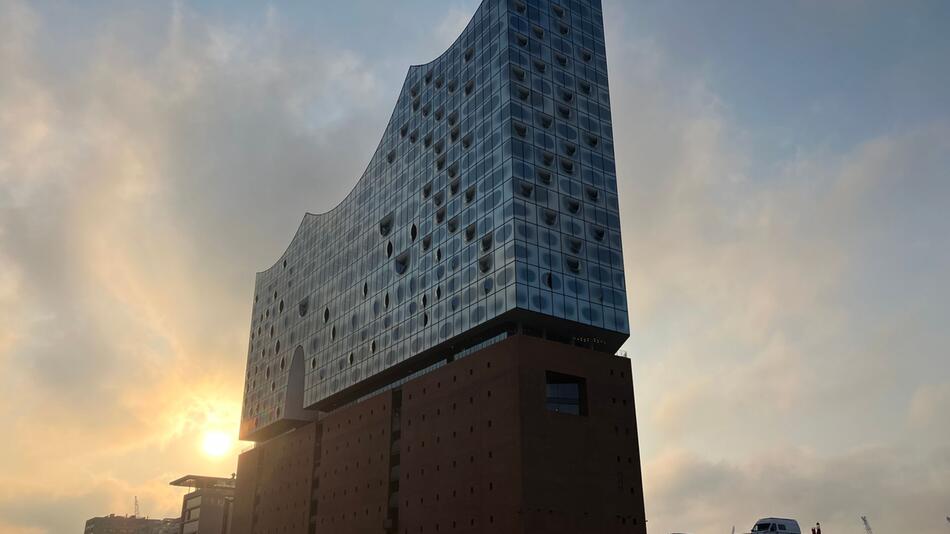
pixel 381 138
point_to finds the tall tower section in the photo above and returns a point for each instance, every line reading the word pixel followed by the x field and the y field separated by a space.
pixel 489 209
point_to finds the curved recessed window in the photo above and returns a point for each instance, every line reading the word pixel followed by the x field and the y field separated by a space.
pixel 386 301
pixel 365 288
pixel 303 307
pixel 386 225
pixel 426 242
pixel 453 224
pixel 350 359
pixel 585 87
pixel 573 264
pixel 597 233
pixel 486 243
pixel 558 10
pixel 469 87
pixel 592 194
pixel 425 301
pixel 401 263
pixel 333 333
pixel 313 363
pixel 277 347
pixel 283 363
pixel 545 121
pixel 438 293
pixel 470 233
pixel 452 86
pixel 453 171
pixel 525 189
pixel 549 217
pixel 440 215
pixel 454 134
pixel 425 319
pixel 561 59
pixel 545 177
pixel 438 199
pixel 574 245
pixel 538 31
pixel 521 40
pixel 522 93
pixel 372 346
pixel 571 205
pixel 326 315
pixel 564 111
pixel 519 73
pixel 519 129
pixel 426 190
pixel 389 249
pixel 391 157
pixel 413 232
pixel 280 307
pixel 540 66
pixel 586 55
pixel 470 195
pixel 485 263
pixel 438 254
pixel 469 54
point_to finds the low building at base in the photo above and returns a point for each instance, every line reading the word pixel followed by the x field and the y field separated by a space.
pixel 526 435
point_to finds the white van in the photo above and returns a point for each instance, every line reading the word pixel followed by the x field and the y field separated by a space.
pixel 776 524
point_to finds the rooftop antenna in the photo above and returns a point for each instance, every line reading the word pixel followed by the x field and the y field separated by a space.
pixel 136 507
pixel 867 526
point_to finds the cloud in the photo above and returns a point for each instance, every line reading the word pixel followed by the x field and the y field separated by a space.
pixel 897 493
pixel 781 309
pixel 787 310
pixel 136 190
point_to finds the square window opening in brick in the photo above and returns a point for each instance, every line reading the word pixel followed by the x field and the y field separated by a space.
pixel 566 394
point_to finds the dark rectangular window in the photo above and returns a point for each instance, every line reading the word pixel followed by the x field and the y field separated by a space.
pixel 566 394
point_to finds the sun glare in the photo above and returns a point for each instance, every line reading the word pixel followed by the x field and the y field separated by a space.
pixel 217 443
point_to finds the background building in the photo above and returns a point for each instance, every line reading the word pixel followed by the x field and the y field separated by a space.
pixel 117 524
pixel 206 509
pixel 436 353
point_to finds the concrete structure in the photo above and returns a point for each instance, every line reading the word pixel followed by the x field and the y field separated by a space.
pixel 435 354
pixel 206 509
pixel 118 524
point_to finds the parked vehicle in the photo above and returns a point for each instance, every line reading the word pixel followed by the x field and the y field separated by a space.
pixel 776 524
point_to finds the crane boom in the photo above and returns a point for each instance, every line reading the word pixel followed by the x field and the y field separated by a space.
pixel 867 525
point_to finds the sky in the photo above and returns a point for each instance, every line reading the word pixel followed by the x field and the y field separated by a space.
pixel 784 175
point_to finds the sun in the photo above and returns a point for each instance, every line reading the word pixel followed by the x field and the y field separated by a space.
pixel 216 443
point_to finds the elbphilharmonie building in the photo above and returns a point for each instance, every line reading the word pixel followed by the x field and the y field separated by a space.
pixel 462 305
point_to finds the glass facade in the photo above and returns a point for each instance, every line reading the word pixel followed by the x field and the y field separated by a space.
pixel 493 190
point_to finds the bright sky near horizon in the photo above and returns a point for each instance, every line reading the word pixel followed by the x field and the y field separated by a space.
pixel 784 174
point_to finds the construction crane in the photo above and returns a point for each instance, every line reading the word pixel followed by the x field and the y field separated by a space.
pixel 867 526
pixel 136 507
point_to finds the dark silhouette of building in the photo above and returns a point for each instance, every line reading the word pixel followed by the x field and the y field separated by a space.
pixel 206 509
pixel 118 524
pixel 436 354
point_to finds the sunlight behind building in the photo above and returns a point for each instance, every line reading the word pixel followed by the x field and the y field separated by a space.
pixel 216 443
